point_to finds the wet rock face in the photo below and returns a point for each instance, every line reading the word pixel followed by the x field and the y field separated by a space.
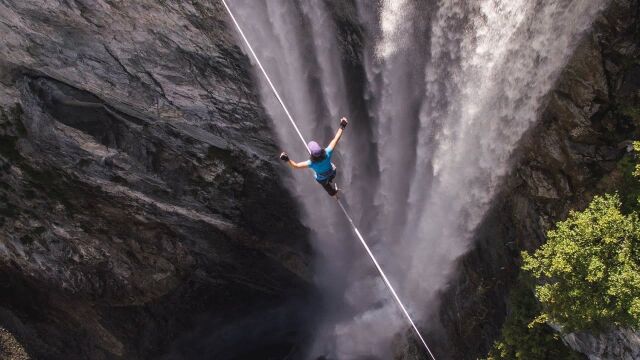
pixel 141 212
pixel 617 344
pixel 571 155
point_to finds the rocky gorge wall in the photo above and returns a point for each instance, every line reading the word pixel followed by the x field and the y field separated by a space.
pixel 572 154
pixel 141 214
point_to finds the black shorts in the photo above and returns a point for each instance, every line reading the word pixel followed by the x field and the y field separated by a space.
pixel 328 179
pixel 327 185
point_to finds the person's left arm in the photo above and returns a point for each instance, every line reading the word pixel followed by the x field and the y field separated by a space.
pixel 336 139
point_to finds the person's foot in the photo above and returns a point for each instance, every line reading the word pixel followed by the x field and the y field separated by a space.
pixel 338 190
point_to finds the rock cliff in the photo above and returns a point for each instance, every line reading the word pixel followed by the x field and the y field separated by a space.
pixel 615 345
pixel 570 155
pixel 141 214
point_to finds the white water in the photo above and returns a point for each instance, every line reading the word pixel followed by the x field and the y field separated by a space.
pixel 451 88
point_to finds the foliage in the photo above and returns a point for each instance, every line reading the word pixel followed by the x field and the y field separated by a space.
pixel 521 341
pixel 590 268
pixel 629 186
pixel 636 148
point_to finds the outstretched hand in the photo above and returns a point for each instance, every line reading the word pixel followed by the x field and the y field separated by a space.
pixel 284 157
pixel 344 122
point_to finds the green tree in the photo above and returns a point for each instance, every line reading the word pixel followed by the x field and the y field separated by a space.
pixel 589 269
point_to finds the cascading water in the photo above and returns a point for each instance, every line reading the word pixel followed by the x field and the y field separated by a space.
pixel 452 85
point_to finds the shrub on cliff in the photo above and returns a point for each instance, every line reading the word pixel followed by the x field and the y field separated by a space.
pixel 590 269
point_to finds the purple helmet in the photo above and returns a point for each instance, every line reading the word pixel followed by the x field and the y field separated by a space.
pixel 314 148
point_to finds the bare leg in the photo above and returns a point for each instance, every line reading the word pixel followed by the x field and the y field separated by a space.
pixel 329 187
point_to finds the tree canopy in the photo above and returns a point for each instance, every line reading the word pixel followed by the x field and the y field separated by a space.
pixel 589 268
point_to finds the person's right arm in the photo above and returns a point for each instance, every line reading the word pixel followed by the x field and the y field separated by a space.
pixel 298 165
pixel 293 164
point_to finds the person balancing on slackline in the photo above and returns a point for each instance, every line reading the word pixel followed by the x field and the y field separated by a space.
pixel 320 161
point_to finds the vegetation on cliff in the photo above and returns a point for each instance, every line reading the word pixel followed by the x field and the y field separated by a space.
pixel 590 265
pixel 590 269
pixel 587 273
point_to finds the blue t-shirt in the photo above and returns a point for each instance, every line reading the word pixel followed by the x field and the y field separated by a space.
pixel 323 168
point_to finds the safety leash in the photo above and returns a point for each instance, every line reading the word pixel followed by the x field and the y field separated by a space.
pixel 344 210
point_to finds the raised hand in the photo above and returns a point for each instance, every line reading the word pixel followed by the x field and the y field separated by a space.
pixel 344 122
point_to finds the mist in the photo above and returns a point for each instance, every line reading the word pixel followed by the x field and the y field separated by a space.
pixel 450 88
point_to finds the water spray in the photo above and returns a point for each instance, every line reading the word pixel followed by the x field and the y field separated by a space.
pixel 344 210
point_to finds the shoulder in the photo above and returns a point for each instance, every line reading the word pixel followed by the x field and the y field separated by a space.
pixel 328 150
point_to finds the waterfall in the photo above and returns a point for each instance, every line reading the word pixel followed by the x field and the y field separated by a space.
pixel 451 86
